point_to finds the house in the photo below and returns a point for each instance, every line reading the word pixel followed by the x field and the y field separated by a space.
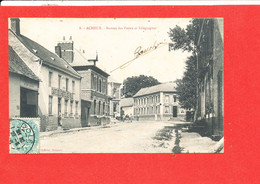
pixel 127 106
pixel 114 90
pixel 210 75
pixel 23 88
pixel 59 87
pixel 159 102
pixel 94 98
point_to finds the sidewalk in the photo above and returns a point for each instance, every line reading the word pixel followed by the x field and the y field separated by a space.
pixel 191 142
pixel 61 131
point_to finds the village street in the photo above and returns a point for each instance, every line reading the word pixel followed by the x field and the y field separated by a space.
pixel 122 137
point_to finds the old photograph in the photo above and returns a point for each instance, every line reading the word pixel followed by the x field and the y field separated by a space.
pixel 116 85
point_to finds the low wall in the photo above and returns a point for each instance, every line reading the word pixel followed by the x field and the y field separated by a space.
pixel 96 121
pixel 48 123
pixel 69 123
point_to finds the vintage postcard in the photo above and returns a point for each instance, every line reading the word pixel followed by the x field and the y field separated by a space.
pixel 116 85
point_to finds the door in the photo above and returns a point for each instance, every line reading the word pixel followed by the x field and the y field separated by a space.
pixel 59 110
pixel 28 103
pixel 174 111
pixel 87 114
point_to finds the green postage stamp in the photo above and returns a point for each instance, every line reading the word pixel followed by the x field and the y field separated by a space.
pixel 24 135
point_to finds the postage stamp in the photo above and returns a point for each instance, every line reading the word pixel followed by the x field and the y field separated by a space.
pixel 24 135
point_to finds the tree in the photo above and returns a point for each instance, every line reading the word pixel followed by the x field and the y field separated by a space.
pixel 133 84
pixel 186 87
pixel 186 40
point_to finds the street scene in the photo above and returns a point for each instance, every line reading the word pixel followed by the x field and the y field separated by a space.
pixel 109 85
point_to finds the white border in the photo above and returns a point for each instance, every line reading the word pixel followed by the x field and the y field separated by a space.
pixel 137 2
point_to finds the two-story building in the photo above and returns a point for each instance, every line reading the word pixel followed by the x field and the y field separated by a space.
pixel 94 98
pixel 159 102
pixel 59 87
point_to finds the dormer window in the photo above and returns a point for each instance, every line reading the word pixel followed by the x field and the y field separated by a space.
pixel 34 50
pixel 52 58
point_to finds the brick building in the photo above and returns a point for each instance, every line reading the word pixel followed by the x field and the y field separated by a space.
pixel 158 102
pixel 210 65
pixel 59 87
pixel 94 98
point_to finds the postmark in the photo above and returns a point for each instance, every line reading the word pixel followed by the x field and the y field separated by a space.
pixel 24 135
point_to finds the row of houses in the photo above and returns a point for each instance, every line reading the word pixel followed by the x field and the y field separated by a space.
pixel 60 88
pixel 64 88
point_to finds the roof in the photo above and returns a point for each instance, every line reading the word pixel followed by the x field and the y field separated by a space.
pixel 46 56
pixel 79 58
pixel 165 87
pixel 92 67
pixel 126 102
pixel 16 65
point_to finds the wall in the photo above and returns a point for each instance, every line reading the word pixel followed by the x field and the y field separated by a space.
pixel 160 104
pixel 15 83
pixel 14 95
pixel 51 120
pixel 128 110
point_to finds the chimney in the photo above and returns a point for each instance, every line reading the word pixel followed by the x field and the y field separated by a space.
pixel 15 25
pixel 58 50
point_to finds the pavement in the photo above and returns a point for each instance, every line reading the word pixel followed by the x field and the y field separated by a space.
pixel 126 137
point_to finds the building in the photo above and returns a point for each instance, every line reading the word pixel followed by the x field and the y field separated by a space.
pixel 23 88
pixel 94 98
pixel 114 89
pixel 59 87
pixel 127 106
pixel 210 66
pixel 158 102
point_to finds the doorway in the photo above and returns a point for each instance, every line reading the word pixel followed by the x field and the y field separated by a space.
pixel 174 111
pixel 28 103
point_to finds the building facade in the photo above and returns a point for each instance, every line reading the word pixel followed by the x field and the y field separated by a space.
pixel 59 89
pixel 23 88
pixel 210 88
pixel 114 92
pixel 127 107
pixel 158 102
pixel 94 98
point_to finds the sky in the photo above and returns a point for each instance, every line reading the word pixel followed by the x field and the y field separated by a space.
pixel 115 41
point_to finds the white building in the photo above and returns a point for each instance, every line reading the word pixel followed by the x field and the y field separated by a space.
pixel 59 87
pixel 158 102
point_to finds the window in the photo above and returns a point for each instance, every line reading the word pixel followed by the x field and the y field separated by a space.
pixel 73 86
pixel 103 107
pixel 71 105
pixel 166 109
pixel 95 106
pixel 76 110
pixel 50 78
pixel 59 81
pixel 96 82
pixel 92 81
pixel 50 104
pixel 174 98
pixel 67 84
pixel 66 107
pixel 100 85
pixel 99 106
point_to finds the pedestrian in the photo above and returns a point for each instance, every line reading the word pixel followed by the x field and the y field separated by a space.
pixel 59 120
